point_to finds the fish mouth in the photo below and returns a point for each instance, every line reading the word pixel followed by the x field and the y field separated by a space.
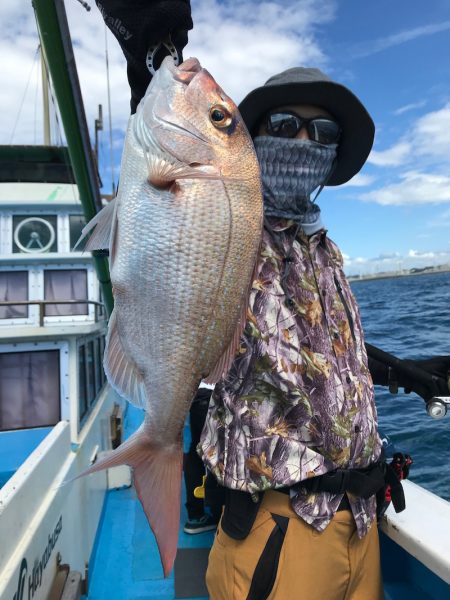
pixel 186 71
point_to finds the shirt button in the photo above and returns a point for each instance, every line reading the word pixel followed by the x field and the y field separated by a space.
pixel 290 303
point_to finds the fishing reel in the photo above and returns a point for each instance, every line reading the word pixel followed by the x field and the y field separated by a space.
pixel 437 406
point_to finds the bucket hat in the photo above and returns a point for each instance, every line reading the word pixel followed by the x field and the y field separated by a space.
pixel 301 85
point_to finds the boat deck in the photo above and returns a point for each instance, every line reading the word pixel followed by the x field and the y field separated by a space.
pixel 125 562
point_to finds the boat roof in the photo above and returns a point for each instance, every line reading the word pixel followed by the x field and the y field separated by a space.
pixel 43 164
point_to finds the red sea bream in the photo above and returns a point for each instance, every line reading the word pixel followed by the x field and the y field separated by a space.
pixel 183 236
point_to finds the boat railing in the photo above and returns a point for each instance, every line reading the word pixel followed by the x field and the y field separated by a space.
pixel 99 307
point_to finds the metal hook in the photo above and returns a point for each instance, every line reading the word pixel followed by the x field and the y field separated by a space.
pixel 169 46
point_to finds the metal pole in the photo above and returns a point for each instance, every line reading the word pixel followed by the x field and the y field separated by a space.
pixel 45 102
pixel 55 39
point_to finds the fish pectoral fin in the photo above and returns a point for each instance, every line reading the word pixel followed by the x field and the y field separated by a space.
pixel 102 222
pixel 157 479
pixel 162 171
pixel 123 374
pixel 225 361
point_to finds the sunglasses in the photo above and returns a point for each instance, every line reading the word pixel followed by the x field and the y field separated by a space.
pixel 286 124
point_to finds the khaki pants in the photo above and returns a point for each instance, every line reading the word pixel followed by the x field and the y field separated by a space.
pixel 332 565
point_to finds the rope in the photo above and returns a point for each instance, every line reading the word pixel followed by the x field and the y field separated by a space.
pixel 24 94
pixel 111 152
pixel 35 104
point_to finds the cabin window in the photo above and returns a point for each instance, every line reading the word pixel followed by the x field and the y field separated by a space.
pixel 29 389
pixel 82 382
pixel 76 224
pixel 32 234
pixel 91 376
pixel 98 366
pixel 90 371
pixel 102 352
pixel 13 286
pixel 65 285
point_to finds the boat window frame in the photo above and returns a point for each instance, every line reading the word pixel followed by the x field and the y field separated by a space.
pixel 64 377
pixel 97 356
pixel 29 320
pixel 92 293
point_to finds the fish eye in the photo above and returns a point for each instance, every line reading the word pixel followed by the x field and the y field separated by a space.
pixel 219 116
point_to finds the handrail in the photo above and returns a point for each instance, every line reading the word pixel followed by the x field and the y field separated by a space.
pixel 43 303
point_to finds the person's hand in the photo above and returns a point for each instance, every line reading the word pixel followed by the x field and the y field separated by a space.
pixel 140 25
pixel 438 367
pixel 394 377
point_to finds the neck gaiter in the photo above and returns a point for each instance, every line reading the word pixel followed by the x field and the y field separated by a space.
pixel 291 169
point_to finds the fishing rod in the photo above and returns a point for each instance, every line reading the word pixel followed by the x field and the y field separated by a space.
pixel 437 405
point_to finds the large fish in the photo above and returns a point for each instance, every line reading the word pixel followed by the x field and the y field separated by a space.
pixel 183 234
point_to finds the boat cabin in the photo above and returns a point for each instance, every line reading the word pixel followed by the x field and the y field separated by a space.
pixel 57 412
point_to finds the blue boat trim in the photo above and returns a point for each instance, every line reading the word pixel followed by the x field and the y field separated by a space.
pixel 16 446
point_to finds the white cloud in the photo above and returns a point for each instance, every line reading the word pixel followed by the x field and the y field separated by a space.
pixel 424 150
pixel 360 180
pixel 359 260
pixel 398 38
pixel 427 139
pixel 408 107
pixel 413 188
pixel 392 157
pixel 417 254
pixel 431 134
pixel 244 43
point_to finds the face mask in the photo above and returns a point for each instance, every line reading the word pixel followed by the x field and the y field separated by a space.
pixel 291 169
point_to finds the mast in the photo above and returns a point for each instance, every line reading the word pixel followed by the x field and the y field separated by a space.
pixel 45 102
pixel 57 47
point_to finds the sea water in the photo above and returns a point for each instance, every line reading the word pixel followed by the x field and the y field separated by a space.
pixel 410 317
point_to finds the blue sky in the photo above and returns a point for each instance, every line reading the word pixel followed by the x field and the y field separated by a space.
pixel 393 55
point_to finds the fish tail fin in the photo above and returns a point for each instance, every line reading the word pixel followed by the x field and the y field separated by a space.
pixel 157 474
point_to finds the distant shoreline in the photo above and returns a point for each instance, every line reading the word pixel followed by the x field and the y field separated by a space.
pixel 396 274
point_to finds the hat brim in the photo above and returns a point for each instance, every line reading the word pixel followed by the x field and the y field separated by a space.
pixel 358 129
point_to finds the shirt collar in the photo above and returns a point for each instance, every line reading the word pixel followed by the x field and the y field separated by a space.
pixel 278 224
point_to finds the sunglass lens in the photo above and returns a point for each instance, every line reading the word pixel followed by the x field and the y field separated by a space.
pixel 283 125
pixel 324 131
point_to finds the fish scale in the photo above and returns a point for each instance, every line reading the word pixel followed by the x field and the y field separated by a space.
pixel 183 237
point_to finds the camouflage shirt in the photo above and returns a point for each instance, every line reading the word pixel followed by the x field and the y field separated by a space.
pixel 298 401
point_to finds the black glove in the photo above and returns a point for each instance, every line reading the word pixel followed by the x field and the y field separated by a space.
pixel 438 367
pixel 140 24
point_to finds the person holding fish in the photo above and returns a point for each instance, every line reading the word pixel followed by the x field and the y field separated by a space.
pixel 291 431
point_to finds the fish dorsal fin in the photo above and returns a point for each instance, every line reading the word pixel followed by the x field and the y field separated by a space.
pixel 123 374
pixel 102 222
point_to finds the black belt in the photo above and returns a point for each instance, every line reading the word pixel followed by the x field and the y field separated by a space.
pixel 241 509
